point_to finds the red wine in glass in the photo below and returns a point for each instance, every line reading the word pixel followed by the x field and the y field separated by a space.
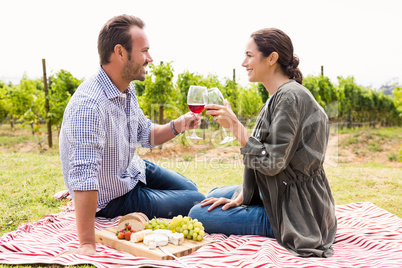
pixel 196 108
pixel 196 100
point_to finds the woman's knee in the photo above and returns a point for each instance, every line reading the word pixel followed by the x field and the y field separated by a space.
pixel 197 211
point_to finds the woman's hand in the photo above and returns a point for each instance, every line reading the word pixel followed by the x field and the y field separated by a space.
pixel 214 202
pixel 222 114
pixel 225 117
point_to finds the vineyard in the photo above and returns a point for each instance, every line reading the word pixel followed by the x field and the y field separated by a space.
pixel 346 102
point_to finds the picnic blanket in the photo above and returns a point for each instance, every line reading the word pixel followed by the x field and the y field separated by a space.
pixel 367 236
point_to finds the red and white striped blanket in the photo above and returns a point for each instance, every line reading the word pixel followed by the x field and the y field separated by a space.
pixel 367 236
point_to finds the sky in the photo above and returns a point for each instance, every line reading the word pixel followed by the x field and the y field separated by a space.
pixel 359 38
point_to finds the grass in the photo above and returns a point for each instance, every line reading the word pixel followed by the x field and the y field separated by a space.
pixel 30 179
pixel 376 183
pixel 208 175
pixel 28 183
pixel 371 141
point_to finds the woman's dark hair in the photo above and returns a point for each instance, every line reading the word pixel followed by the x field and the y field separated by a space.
pixel 116 31
pixel 274 40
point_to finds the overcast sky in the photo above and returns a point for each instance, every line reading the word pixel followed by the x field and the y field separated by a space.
pixel 360 38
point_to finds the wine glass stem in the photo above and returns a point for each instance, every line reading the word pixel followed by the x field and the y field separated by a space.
pixel 224 132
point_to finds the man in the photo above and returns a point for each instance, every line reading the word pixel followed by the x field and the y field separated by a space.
pixel 102 127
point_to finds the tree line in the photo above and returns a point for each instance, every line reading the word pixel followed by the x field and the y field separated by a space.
pixel 25 103
pixel 162 99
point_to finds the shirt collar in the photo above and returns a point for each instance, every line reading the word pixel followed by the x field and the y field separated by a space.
pixel 111 90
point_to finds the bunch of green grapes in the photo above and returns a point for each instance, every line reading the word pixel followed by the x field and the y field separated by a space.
pixel 157 224
pixel 191 229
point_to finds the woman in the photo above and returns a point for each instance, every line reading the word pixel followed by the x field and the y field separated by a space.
pixel 285 193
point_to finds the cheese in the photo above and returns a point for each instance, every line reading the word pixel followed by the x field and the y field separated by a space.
pixel 163 232
pixel 160 240
pixel 176 239
pixel 173 238
pixel 159 237
pixel 152 245
pixel 139 236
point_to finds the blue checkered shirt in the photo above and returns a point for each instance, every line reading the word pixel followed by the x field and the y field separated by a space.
pixel 100 132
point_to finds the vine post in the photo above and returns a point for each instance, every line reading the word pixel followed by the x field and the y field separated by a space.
pixel 234 75
pixel 49 123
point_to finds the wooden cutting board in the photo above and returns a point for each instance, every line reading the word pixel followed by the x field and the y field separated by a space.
pixel 108 237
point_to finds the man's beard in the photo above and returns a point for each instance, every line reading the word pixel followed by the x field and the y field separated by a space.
pixel 132 71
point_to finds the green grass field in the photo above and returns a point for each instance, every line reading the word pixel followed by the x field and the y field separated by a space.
pixel 30 174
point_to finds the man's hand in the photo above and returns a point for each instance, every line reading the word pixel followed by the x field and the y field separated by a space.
pixel 85 208
pixel 162 133
pixel 87 249
pixel 187 121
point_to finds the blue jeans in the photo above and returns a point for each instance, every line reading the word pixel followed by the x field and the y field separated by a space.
pixel 166 194
pixel 252 220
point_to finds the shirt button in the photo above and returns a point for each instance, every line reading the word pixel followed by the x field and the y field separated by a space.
pixel 264 152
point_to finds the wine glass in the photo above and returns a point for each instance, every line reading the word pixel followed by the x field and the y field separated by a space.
pixel 216 97
pixel 196 100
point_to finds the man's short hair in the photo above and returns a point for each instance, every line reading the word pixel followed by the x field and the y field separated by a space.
pixel 116 31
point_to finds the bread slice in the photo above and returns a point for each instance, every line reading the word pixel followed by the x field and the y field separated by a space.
pixel 135 219
pixel 143 216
